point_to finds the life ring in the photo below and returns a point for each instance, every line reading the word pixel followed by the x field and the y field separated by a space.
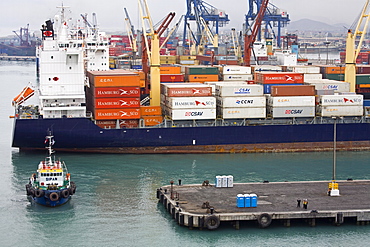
pixel 54 196
pixel 264 220
pixel 39 193
pixel 65 193
pixel 212 222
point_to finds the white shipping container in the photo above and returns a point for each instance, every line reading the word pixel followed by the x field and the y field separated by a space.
pixel 341 100
pixel 234 113
pixel 324 84
pixel 236 70
pixel 282 101
pixel 290 112
pixel 236 90
pixel 191 114
pixel 246 77
pixel 213 84
pixel 307 77
pixel 304 69
pixel 340 111
pixel 242 101
pixel 275 68
pixel 191 102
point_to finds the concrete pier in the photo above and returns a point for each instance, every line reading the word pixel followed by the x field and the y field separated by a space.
pixel 206 206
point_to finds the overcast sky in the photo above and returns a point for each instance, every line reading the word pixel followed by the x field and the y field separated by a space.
pixel 110 15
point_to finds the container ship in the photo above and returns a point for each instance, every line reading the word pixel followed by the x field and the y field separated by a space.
pixel 202 109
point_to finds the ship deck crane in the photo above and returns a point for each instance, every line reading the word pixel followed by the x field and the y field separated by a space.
pixel 351 51
pixel 93 26
pixel 150 54
pixel 249 39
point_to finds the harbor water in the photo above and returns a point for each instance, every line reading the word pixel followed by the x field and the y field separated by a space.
pixel 115 203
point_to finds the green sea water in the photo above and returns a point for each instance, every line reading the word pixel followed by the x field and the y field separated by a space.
pixel 116 205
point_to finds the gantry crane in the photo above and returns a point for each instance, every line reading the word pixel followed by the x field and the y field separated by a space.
pixel 150 53
pixel 131 34
pixel 273 18
pixel 212 15
pixel 249 39
pixel 351 51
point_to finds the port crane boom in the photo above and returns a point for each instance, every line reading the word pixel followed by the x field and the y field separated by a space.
pixel 351 51
pixel 249 39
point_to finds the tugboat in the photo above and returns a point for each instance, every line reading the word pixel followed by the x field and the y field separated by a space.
pixel 51 185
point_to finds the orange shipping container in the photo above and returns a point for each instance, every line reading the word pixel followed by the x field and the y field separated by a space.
pixel 332 70
pixel 150 111
pixel 106 103
pixel 111 124
pixel 152 120
pixel 170 69
pixel 117 81
pixel 202 78
pixel 125 113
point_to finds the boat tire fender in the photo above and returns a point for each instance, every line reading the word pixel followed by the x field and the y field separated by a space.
pixel 54 196
pixel 212 222
pixel 264 220
pixel 65 193
pixel 39 193
pixel 31 192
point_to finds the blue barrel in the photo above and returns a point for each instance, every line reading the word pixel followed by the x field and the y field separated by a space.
pixel 253 200
pixel 247 200
pixel 240 201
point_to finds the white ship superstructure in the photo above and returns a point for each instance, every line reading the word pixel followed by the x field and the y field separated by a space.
pixel 64 55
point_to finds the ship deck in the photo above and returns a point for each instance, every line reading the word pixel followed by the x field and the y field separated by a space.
pixel 191 205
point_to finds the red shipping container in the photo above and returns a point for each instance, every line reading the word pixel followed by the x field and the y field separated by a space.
pixel 105 103
pixel 125 113
pixel 188 92
pixel 294 90
pixel 113 92
pixel 172 77
pixel 278 77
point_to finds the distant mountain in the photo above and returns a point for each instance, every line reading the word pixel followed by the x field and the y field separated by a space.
pixel 317 26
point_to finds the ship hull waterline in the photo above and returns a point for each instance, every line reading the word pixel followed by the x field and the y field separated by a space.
pixel 82 135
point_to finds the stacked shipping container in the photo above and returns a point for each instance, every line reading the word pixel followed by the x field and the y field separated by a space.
pixel 114 96
pixel 200 73
pixel 236 73
pixel 291 101
pixel 240 101
pixel 188 101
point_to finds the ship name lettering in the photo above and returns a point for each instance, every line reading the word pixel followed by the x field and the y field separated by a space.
pixel 51 179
